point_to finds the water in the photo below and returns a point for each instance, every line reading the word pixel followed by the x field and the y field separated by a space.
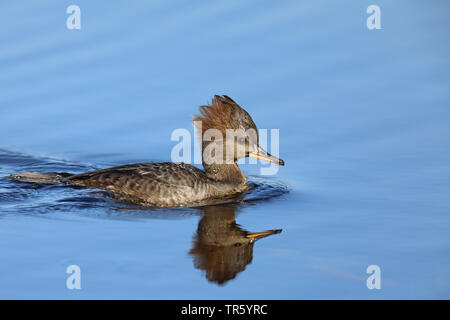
pixel 363 118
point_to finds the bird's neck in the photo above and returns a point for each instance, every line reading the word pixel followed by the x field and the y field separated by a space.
pixel 225 173
pixel 224 170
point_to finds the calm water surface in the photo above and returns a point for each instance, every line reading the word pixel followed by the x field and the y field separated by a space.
pixel 364 131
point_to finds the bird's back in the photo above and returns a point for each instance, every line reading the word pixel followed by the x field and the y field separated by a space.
pixel 163 184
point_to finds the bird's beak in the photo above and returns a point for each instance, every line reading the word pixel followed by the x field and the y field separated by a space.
pixel 262 154
pixel 259 235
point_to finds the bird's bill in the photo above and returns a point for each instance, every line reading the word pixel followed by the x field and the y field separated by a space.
pixel 259 235
pixel 262 154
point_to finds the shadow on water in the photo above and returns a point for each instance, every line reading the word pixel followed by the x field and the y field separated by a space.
pixel 221 248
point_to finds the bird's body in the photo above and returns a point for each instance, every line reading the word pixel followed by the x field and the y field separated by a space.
pixel 163 184
pixel 168 184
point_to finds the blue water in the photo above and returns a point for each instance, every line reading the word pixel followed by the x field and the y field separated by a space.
pixel 364 131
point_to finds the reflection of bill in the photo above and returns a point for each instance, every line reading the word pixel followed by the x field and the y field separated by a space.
pixel 221 247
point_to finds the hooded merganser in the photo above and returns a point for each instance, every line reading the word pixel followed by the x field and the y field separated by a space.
pixel 167 184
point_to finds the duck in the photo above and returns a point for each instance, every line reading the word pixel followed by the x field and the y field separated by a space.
pixel 172 184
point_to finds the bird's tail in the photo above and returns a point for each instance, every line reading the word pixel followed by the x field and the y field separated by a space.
pixel 45 178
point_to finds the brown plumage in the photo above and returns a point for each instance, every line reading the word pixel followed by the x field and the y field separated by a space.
pixel 169 184
pixel 222 114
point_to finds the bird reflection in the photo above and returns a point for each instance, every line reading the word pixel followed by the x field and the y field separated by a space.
pixel 221 247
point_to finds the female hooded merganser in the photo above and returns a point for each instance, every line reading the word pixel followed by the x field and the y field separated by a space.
pixel 167 184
